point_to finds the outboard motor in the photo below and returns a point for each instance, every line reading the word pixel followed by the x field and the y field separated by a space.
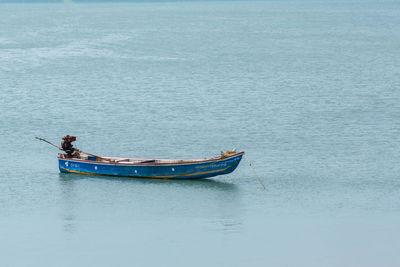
pixel 67 146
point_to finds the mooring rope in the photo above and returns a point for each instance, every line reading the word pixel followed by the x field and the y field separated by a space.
pixel 255 173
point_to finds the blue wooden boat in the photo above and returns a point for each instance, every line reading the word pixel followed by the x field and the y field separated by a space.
pixel 152 168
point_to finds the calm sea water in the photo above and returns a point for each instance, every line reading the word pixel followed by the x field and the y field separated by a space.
pixel 309 89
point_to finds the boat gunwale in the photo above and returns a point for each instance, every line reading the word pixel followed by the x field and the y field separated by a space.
pixel 152 163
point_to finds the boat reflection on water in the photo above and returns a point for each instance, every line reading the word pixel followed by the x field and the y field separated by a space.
pixel 194 183
pixel 216 205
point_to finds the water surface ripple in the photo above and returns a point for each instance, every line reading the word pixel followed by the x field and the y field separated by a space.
pixel 309 89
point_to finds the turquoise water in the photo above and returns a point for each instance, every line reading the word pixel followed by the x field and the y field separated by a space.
pixel 309 89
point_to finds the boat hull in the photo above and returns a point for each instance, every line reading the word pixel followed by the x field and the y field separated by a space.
pixel 197 170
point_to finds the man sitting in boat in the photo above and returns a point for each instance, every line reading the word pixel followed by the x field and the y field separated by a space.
pixel 68 147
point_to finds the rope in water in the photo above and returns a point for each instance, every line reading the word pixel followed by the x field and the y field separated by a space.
pixel 255 173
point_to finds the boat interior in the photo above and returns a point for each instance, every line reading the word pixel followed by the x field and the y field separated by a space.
pixel 82 156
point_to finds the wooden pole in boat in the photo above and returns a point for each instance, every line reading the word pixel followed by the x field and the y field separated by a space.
pixel 80 151
pixel 44 140
pixel 255 173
